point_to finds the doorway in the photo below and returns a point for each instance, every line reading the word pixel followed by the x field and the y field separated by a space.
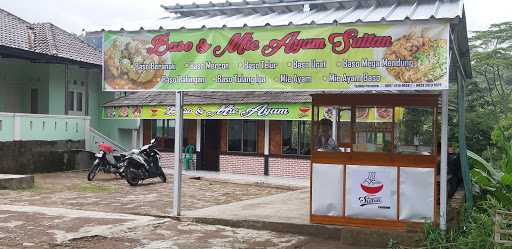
pixel 210 145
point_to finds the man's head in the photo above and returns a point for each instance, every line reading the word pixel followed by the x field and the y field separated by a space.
pixel 325 126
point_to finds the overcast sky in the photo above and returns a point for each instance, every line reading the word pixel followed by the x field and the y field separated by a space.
pixel 76 15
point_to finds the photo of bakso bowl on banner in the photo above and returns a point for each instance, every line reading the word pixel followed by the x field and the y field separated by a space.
pixel 124 60
pixel 419 53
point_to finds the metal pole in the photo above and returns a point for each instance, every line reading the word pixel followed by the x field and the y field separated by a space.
pixel 266 148
pixel 466 177
pixel 335 115
pixel 178 135
pixel 444 160
pixel 198 135
pixel 199 132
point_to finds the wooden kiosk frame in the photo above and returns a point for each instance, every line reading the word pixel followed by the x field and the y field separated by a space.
pixel 374 158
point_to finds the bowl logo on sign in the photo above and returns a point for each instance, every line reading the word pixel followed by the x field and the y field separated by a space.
pixel 371 186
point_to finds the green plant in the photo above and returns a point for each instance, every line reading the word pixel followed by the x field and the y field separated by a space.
pixel 495 179
pixel 476 233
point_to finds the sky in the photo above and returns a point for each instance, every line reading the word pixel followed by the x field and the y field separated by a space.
pixel 76 15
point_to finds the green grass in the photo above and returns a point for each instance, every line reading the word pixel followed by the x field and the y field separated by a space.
pixel 93 188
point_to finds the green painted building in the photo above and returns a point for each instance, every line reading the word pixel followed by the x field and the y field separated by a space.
pixel 50 83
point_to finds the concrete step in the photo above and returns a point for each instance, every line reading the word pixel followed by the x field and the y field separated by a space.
pixel 347 236
pixel 8 181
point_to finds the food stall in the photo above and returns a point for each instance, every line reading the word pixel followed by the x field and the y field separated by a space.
pixel 374 159
pixel 382 68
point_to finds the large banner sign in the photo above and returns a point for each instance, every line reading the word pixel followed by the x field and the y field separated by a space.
pixel 404 56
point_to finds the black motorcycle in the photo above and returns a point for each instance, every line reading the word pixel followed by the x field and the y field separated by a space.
pixel 106 162
pixel 143 164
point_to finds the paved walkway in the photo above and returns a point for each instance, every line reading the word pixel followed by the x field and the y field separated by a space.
pixel 289 207
pixel 24 226
pixel 246 179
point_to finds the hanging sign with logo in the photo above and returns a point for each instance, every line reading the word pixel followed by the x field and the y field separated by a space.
pixel 399 56
pixel 270 111
pixel 371 192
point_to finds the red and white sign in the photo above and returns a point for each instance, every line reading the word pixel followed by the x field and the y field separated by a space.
pixel 371 192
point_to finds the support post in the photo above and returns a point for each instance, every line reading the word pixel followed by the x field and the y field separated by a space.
pixel 335 115
pixel 178 139
pixel 87 134
pixel 444 160
pixel 198 143
pixel 141 133
pixel 134 139
pixel 266 150
pixel 461 105
pixel 17 127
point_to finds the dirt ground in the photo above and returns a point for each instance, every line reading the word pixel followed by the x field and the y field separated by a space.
pixel 108 194
pixel 64 210
pixel 75 229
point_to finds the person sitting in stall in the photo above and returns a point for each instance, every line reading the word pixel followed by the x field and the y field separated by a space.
pixel 324 140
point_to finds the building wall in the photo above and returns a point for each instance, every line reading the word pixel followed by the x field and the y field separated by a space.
pixel 17 78
pixel 57 89
pixel 289 167
pixel 241 164
pixel 108 127
pixel 27 157
pixel 253 165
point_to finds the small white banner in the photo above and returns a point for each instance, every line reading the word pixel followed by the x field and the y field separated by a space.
pixel 327 189
pixel 416 194
pixel 371 192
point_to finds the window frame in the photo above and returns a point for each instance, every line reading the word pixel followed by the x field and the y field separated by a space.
pixel 380 100
pixel 70 100
pixel 242 151
pixel 300 137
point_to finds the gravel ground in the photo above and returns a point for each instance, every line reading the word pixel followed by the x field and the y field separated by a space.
pixel 108 194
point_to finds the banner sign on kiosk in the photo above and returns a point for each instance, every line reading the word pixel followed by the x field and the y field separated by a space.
pixel 400 56
pixel 261 111
pixel 270 111
pixel 371 192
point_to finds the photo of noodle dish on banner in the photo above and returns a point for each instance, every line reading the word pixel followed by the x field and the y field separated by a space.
pixel 380 56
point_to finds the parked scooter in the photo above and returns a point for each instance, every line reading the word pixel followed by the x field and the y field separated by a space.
pixel 143 164
pixel 106 162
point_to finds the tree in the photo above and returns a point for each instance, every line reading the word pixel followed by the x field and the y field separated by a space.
pixel 488 94
pixel 491 55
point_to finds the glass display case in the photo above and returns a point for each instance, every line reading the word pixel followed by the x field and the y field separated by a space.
pixel 373 159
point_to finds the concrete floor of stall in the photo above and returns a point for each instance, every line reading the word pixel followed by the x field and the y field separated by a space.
pixel 289 212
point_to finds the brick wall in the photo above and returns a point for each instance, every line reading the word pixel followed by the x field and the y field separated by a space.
pixel 253 165
pixel 289 167
pixel 167 160
pixel 246 165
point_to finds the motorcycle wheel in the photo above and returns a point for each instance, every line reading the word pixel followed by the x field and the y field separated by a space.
pixel 121 173
pixel 93 171
pixel 132 177
pixel 162 176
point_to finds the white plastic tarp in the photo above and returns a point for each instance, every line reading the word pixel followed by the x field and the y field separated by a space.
pixel 327 189
pixel 416 194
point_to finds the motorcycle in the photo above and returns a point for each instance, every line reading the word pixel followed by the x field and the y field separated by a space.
pixel 143 164
pixel 106 162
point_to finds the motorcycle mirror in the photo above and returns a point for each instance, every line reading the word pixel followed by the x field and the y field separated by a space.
pixel 153 141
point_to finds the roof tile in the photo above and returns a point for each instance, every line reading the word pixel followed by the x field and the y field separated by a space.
pixel 45 38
